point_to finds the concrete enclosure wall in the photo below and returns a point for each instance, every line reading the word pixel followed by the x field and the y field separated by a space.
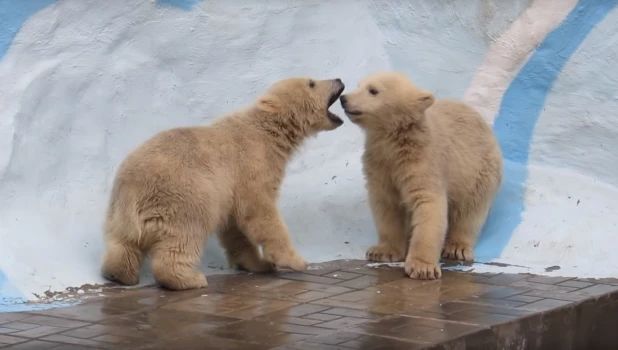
pixel 83 82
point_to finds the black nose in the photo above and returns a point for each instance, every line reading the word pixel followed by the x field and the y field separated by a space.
pixel 343 100
pixel 339 81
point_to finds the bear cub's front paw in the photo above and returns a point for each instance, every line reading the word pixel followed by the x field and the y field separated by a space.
pixel 385 253
pixel 421 270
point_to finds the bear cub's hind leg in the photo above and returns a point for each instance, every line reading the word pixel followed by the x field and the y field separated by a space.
pixel 176 255
pixel 464 228
pixel 242 253
pixel 121 263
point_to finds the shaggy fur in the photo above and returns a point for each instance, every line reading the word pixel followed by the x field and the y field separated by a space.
pixel 432 170
pixel 177 188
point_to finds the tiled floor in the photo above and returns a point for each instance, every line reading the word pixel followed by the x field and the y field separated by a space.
pixel 339 305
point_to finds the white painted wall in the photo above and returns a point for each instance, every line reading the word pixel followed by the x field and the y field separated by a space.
pixel 83 82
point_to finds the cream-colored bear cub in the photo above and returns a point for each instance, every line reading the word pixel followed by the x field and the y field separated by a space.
pixel 177 188
pixel 432 170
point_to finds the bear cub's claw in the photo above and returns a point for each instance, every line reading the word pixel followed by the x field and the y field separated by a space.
pixel 457 251
pixel 385 253
pixel 421 270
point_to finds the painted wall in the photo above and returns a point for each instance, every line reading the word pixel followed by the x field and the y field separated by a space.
pixel 83 82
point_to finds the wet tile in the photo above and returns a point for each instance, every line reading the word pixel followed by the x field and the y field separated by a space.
pixel 412 329
pixel 210 342
pixel 169 319
pixel 76 347
pixel 610 281
pixel 91 331
pixel 322 269
pixel 524 298
pixel 305 345
pixel 290 290
pixel 347 341
pixel 114 339
pixel 596 290
pixel 504 293
pixel 322 317
pixel 317 287
pixel 543 287
pixel 308 296
pixel 360 282
pixel 53 322
pixel 519 312
pixel 343 322
pixel 362 270
pixel 271 334
pixel 8 339
pixel 91 312
pixel 350 313
pixel 297 276
pixel 548 280
pixel 494 302
pixel 298 315
pixel 479 318
pixel 380 343
pixel 291 320
pixel 12 317
pixel 558 296
pixel 546 304
pixel 334 338
pixel 20 326
pixel 229 305
pixel 575 284
pixel 7 330
pixel 338 305
pixel 420 313
pixel 356 296
pixel 35 345
pixel 58 338
pixel 303 310
pixel 342 275
pixel 449 308
pixel 39 331
pixel 504 279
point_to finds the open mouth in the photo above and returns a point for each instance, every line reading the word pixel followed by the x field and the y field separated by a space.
pixel 332 116
pixel 353 113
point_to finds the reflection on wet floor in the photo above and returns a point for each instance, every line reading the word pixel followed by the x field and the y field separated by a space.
pixel 337 305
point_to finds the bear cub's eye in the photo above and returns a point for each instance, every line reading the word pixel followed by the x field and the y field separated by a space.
pixel 311 84
pixel 373 91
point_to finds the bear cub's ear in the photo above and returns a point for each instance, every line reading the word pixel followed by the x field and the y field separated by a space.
pixel 269 104
pixel 425 99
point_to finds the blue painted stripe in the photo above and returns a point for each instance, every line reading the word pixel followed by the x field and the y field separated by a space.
pixel 186 5
pixel 13 15
pixel 520 109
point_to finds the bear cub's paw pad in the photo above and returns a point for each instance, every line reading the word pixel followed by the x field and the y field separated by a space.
pixel 420 270
pixel 457 251
pixel 384 253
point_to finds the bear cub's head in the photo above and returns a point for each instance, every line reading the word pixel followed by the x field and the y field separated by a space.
pixel 384 100
pixel 304 103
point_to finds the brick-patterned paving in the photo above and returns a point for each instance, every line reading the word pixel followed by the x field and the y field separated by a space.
pixel 338 305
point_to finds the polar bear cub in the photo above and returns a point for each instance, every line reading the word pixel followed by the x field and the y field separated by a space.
pixel 177 188
pixel 432 170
